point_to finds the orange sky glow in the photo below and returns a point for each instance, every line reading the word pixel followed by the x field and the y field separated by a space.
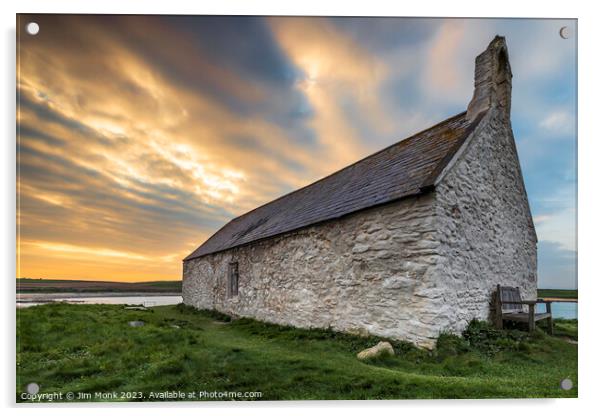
pixel 136 143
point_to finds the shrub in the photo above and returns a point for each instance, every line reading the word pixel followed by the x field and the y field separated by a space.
pixel 450 345
pixel 483 337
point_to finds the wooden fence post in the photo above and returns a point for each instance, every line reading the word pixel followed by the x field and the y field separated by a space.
pixel 531 317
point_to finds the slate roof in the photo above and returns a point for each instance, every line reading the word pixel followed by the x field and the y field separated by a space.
pixel 404 169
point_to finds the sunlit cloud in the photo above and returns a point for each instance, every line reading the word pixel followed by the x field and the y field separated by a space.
pixel 338 74
pixel 68 250
pixel 442 72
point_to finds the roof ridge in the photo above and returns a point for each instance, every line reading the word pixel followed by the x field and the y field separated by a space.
pixel 413 136
pixel 444 163
pixel 377 178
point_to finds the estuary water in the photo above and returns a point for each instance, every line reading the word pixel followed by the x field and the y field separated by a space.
pixel 25 300
pixel 566 310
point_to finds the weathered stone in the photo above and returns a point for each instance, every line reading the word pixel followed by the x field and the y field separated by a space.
pixel 495 243
pixel 379 350
pixel 493 80
pixel 360 248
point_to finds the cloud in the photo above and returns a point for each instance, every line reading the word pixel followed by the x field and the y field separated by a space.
pixel 112 154
pixel 338 77
pixel 559 123
pixel 559 227
pixel 115 152
pixel 538 52
pixel 448 70
pixel 69 251
pixel 539 219
pixel 557 266
pixel 442 70
pixel 558 222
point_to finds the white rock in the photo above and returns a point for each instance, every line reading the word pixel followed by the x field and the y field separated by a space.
pixel 380 349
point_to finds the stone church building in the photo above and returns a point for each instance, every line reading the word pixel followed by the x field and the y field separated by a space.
pixel 405 244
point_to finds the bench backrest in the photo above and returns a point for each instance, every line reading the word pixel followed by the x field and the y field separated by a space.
pixel 508 293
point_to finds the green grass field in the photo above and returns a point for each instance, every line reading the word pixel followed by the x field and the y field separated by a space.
pixel 91 348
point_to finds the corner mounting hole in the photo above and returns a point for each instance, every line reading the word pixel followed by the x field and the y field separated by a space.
pixel 32 28
pixel 565 32
pixel 566 384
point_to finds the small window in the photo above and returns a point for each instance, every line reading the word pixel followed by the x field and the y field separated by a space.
pixel 233 279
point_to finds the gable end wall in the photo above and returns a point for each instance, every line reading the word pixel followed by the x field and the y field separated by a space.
pixel 486 230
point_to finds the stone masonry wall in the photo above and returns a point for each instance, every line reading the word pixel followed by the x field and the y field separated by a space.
pixel 486 231
pixel 407 270
pixel 370 272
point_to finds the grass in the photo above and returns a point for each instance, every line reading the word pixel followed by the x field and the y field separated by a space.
pixel 557 293
pixel 566 328
pixel 91 348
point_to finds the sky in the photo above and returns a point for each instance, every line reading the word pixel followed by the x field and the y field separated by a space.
pixel 140 136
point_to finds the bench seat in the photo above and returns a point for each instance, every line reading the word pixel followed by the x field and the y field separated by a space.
pixel 524 316
pixel 509 306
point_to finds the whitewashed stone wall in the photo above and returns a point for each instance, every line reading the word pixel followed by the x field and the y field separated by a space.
pixel 486 231
pixel 370 272
pixel 406 270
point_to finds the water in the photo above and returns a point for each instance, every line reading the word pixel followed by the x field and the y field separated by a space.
pixel 25 300
pixel 566 310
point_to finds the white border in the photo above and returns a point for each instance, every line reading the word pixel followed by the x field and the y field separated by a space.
pixel 590 160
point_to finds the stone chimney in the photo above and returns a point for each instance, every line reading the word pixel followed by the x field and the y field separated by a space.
pixel 492 80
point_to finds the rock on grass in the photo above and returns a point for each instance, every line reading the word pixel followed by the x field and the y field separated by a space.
pixel 379 350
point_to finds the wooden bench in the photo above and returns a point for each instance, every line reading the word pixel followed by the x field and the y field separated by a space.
pixel 509 307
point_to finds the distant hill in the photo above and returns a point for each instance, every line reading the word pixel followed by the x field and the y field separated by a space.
pixel 50 285
pixel 557 293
